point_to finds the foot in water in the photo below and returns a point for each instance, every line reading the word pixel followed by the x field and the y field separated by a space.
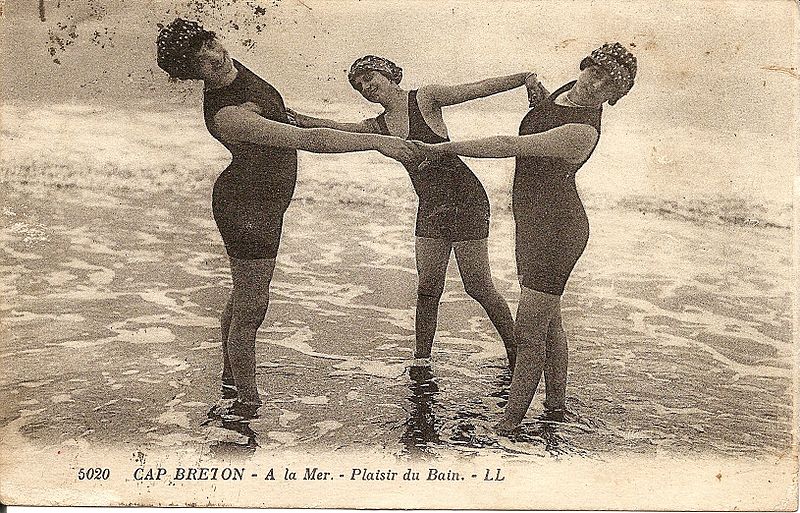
pixel 234 410
pixel 554 415
pixel 550 415
pixel 423 376
pixel 505 427
pixel 421 433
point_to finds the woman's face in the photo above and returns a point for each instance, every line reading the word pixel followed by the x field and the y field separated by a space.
pixel 213 59
pixel 373 86
pixel 596 84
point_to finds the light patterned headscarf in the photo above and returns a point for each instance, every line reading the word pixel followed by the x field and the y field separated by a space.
pixel 373 63
pixel 618 62
pixel 177 45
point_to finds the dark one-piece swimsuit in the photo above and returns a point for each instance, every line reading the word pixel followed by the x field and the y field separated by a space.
pixel 253 192
pixel 453 204
pixel 552 229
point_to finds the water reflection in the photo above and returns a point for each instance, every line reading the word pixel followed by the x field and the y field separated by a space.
pixel 501 385
pixel 553 432
pixel 228 448
pixel 543 432
pixel 557 431
pixel 420 429
pixel 236 417
pixel 472 420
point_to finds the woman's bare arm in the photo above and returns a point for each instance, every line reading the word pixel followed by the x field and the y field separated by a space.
pixel 573 142
pixel 365 126
pixel 444 95
pixel 236 124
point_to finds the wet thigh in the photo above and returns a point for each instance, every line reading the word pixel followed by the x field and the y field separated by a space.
pixel 432 258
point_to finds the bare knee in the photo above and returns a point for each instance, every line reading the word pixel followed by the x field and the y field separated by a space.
pixel 250 313
pixel 556 338
pixel 533 323
pixel 429 297
pixel 429 291
pixel 556 330
pixel 528 335
pixel 532 341
pixel 480 290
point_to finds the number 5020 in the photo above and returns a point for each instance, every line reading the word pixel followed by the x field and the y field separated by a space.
pixel 93 474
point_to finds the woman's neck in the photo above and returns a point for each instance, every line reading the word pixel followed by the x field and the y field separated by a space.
pixel 574 98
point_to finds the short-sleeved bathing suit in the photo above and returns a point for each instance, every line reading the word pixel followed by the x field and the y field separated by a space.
pixel 453 204
pixel 253 192
pixel 552 227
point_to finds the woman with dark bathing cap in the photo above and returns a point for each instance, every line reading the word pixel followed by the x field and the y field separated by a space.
pixel 556 137
pixel 247 115
pixel 453 206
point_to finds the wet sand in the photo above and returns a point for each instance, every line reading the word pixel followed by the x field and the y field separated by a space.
pixel 680 335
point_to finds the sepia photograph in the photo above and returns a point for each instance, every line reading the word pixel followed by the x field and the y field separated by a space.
pixel 365 254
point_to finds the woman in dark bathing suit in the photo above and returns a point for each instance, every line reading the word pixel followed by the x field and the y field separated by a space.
pixel 453 209
pixel 556 138
pixel 247 115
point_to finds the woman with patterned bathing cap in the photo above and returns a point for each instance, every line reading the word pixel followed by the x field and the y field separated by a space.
pixel 247 115
pixel 453 212
pixel 556 137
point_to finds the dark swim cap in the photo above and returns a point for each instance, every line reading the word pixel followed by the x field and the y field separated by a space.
pixel 618 62
pixel 373 63
pixel 177 45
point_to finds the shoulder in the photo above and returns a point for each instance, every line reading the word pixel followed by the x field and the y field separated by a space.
pixel 243 70
pixel 228 114
pixel 587 117
pixel 431 98
pixel 430 93
pixel 580 138
pixel 248 79
pixel 378 123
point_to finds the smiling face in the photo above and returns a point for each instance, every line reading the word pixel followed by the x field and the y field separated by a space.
pixel 373 86
pixel 213 59
pixel 596 86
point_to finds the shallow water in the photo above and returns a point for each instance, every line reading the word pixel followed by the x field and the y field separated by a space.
pixel 680 334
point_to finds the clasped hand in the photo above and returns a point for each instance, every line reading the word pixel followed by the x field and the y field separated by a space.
pixel 536 90
pixel 410 152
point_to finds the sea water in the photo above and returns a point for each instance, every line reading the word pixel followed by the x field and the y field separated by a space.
pixel 678 314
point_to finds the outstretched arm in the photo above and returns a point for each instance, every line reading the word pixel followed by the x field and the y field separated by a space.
pixel 573 142
pixel 236 124
pixel 444 95
pixel 364 127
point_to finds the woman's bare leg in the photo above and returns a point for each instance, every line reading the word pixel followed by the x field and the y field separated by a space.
pixel 251 279
pixel 555 369
pixel 536 310
pixel 432 258
pixel 473 264
pixel 225 327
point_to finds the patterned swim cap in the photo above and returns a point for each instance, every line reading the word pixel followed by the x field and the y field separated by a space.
pixel 618 62
pixel 373 63
pixel 177 44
